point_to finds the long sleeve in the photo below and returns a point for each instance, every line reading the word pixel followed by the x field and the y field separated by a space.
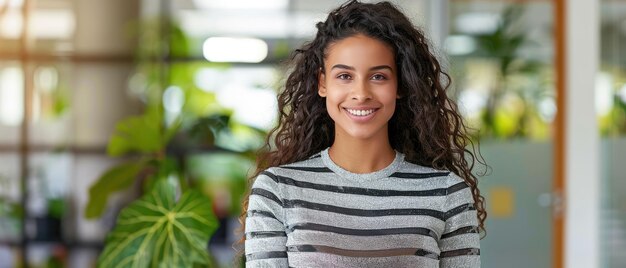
pixel 460 241
pixel 265 231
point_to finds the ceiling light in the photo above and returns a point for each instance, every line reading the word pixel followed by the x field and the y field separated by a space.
pixel 229 49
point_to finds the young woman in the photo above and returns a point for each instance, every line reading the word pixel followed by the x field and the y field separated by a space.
pixel 368 165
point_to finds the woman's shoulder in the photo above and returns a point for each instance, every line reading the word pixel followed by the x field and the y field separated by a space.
pixel 311 164
pixel 443 176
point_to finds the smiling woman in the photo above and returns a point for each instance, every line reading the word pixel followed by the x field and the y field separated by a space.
pixel 368 166
pixel 360 85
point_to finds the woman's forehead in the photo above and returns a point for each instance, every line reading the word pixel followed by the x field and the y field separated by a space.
pixel 359 51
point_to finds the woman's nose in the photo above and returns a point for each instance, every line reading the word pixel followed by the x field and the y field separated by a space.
pixel 361 91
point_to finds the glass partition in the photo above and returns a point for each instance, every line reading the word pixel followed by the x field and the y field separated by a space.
pixel 501 61
pixel 611 112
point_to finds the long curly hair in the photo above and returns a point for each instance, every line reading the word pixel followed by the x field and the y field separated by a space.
pixel 425 126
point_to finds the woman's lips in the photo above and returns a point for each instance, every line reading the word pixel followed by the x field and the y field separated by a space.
pixel 361 114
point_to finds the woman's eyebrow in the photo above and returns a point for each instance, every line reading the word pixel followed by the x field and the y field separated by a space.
pixel 375 68
pixel 343 66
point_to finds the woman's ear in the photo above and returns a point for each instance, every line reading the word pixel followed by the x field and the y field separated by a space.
pixel 321 84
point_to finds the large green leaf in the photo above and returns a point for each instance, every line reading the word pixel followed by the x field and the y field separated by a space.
pixel 115 179
pixel 140 134
pixel 155 231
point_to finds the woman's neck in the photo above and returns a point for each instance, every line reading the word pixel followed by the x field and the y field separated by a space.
pixel 361 156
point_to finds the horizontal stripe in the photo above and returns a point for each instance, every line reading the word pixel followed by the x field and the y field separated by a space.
pixel 411 175
pixel 310 169
pixel 266 255
pixel 426 253
pixel 457 187
pixel 363 253
pixel 300 237
pixel 365 201
pixel 458 210
pixel 261 224
pixel 302 215
pixel 267 244
pixel 460 231
pixel 267 194
pixel 460 252
pixel 361 232
pixel 260 213
pixel 470 240
pixel 362 212
pixel 353 190
pixel 265 234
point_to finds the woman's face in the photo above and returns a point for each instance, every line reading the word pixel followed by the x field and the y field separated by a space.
pixel 360 86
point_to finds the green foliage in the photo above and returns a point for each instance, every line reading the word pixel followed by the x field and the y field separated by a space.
pixel 198 102
pixel 56 207
pixel 156 231
pixel 509 111
pixel 60 102
pixel 205 129
pixel 218 173
pixel 10 209
pixel 504 43
pixel 141 134
pixel 179 43
pixel 11 214
pixel 115 179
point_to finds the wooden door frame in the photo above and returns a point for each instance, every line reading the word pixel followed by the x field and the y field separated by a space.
pixel 559 137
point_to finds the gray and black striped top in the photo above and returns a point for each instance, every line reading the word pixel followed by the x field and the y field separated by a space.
pixel 313 213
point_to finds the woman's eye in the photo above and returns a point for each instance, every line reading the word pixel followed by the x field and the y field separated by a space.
pixel 379 77
pixel 344 76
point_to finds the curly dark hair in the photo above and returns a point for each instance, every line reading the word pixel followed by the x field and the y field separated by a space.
pixel 425 126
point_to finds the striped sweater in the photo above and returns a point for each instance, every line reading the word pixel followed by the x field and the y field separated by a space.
pixel 313 213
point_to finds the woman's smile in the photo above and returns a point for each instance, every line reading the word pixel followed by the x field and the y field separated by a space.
pixel 361 115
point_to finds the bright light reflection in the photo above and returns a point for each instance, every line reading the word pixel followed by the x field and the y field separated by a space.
pixel 460 45
pixel 477 23
pixel 11 24
pixel 11 96
pixel 471 102
pixel 215 79
pixel 208 80
pixel 53 24
pixel 47 79
pixel 44 24
pixel 604 94
pixel 228 49
pixel 547 109
pixel 173 101
pixel 252 106
pixel 12 3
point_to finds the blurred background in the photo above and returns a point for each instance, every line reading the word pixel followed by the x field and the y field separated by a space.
pixel 99 99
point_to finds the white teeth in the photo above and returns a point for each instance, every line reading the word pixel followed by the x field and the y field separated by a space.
pixel 360 112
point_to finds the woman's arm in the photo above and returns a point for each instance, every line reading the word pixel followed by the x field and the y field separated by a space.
pixel 265 231
pixel 460 241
